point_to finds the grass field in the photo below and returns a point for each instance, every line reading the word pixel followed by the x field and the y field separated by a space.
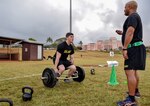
pixel 93 91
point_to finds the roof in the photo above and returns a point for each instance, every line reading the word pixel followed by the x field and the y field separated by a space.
pixel 30 42
pixel 8 40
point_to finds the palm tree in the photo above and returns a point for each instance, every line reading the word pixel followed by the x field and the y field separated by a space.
pixel 80 43
pixel 49 39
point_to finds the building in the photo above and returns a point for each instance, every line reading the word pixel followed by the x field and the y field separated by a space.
pixel 91 46
pixel 100 45
pixel 19 49
pixel 110 44
pixel 32 50
pixel 7 51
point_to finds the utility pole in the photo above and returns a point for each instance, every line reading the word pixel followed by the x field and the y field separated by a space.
pixel 70 15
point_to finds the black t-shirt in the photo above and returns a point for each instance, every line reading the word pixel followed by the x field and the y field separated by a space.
pixel 64 49
pixel 133 20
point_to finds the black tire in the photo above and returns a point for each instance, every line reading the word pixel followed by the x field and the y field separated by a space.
pixel 81 74
pixel 51 77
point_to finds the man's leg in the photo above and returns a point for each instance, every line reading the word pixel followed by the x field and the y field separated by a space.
pixel 132 83
pixel 131 79
pixel 137 79
pixel 137 93
pixel 70 73
pixel 72 70
pixel 61 69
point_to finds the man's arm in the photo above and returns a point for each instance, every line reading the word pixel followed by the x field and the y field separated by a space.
pixel 58 55
pixel 128 39
pixel 128 36
pixel 72 59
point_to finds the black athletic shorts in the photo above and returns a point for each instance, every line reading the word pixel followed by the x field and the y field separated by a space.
pixel 136 58
pixel 66 63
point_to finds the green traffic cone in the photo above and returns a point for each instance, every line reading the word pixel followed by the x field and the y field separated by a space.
pixel 113 77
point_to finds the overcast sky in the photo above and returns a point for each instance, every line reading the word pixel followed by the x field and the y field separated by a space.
pixel 92 20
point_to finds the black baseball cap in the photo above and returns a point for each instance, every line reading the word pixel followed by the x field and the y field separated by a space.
pixel 68 34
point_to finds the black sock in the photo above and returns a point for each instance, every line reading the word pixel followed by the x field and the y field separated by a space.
pixel 136 90
pixel 132 98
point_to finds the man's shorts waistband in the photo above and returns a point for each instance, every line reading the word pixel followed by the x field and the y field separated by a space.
pixel 135 44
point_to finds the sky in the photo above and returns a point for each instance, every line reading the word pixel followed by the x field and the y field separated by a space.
pixel 92 20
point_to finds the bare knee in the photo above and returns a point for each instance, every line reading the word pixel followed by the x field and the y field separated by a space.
pixel 61 68
pixel 72 67
pixel 130 73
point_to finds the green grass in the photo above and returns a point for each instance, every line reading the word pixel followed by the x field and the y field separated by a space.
pixel 94 90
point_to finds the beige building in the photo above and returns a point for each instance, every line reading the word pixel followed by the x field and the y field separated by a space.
pixel 100 45
pixel 91 46
pixel 111 44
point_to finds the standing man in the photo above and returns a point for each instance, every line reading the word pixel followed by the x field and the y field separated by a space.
pixel 134 51
pixel 60 58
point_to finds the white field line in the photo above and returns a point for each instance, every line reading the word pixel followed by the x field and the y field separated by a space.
pixel 25 76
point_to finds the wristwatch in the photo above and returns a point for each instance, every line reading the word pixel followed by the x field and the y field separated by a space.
pixel 124 49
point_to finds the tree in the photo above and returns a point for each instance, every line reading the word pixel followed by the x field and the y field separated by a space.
pixel 80 43
pixel 49 39
pixel 60 40
pixel 32 39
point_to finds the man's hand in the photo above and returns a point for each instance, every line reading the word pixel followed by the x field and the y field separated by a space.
pixel 56 70
pixel 58 74
pixel 71 60
pixel 125 54
pixel 119 32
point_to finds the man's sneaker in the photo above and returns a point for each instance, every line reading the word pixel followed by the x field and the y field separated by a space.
pixel 57 74
pixel 126 102
pixel 137 94
pixel 75 74
pixel 67 80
